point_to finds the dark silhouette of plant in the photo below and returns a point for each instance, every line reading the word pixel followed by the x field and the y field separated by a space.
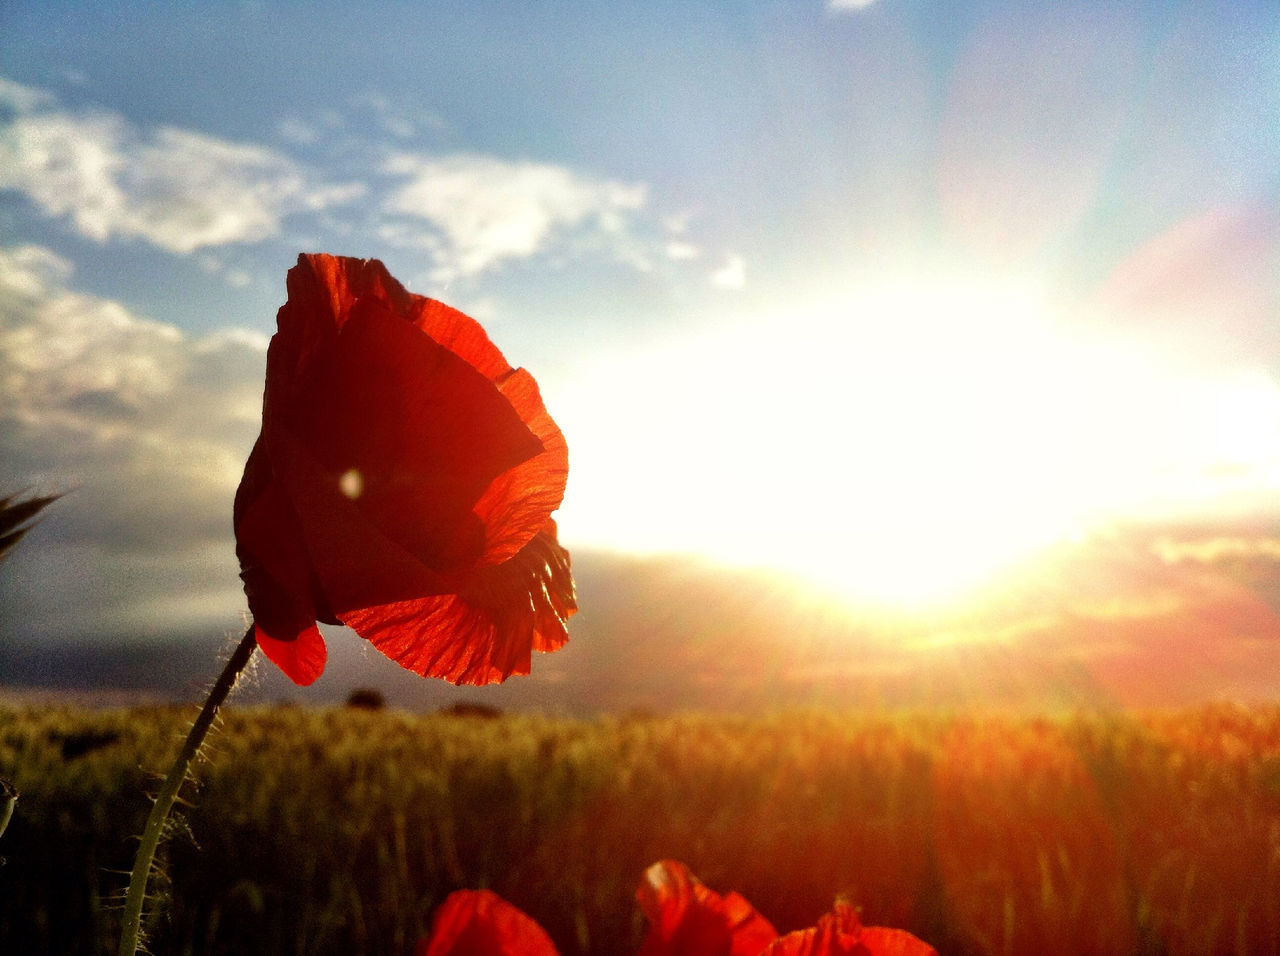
pixel 16 519
pixel 366 698
pixel 474 709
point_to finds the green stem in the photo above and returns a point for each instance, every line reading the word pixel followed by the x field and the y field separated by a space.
pixel 129 934
pixel 8 797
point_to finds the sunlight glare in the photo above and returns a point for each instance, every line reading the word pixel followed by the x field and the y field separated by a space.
pixel 898 444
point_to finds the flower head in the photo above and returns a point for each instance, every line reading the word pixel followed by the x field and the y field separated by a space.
pixel 841 933
pixel 402 484
pixel 687 919
pixel 481 923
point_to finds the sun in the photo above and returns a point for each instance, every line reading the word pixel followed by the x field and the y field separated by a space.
pixel 901 442
pixel 922 437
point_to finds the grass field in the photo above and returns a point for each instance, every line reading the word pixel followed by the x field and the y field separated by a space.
pixel 339 831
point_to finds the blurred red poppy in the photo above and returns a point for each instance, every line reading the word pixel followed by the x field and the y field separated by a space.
pixel 841 933
pixel 481 923
pixel 402 484
pixel 687 919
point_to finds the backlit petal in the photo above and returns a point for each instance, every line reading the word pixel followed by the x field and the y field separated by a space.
pixel 518 502
pixel 426 433
pixel 353 562
pixel 687 919
pixel 883 941
pixel 277 573
pixel 302 657
pixel 841 933
pixel 323 288
pixel 461 335
pixel 487 631
pixel 481 923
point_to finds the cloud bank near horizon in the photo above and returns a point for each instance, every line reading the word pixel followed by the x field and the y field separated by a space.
pixel 144 429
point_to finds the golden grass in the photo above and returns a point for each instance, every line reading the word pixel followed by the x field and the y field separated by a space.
pixel 339 831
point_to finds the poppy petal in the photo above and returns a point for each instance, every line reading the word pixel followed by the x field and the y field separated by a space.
pixel 461 335
pixel 425 433
pixel 320 296
pixel 302 658
pixel 487 632
pixel 841 933
pixel 687 919
pixel 276 573
pixel 519 501
pixel 323 288
pixel 883 941
pixel 353 561
pixel 481 923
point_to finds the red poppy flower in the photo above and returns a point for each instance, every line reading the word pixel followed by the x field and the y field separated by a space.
pixel 687 919
pixel 402 484
pixel 481 923
pixel 841 933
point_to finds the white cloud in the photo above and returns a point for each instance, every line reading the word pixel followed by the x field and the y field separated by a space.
pixel 178 189
pixel 22 99
pixel 187 192
pixel 482 211
pixel 1216 548
pixel 395 119
pixel 679 251
pixel 837 6
pixel 732 275
pixel 296 131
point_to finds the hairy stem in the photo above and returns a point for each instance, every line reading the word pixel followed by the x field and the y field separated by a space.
pixel 129 934
pixel 8 797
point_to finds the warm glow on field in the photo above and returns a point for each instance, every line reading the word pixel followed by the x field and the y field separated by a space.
pixel 899 442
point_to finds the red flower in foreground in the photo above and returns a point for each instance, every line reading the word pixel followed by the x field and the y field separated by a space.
pixel 402 484
pixel 687 919
pixel 841 933
pixel 481 923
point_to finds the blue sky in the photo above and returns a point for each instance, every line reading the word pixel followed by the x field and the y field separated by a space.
pixel 887 293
